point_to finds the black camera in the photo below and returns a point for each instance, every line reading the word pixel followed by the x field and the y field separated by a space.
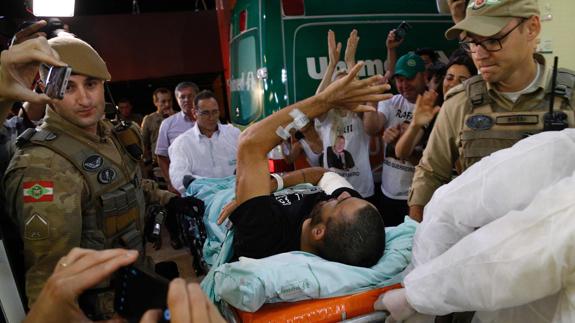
pixel 402 30
pixel 57 81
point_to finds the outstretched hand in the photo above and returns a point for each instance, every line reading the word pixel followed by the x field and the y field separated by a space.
pixel 79 270
pixel 352 94
pixel 19 66
pixel 425 108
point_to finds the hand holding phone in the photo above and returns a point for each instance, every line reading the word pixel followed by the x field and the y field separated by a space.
pixel 402 30
pixel 138 290
pixel 57 81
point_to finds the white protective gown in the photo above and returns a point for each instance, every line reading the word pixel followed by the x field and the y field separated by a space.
pixel 520 265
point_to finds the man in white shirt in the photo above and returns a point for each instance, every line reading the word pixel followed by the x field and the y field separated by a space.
pixel 391 115
pixel 206 150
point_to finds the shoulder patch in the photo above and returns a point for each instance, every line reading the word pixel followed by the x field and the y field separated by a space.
pixel 38 191
pixel 36 228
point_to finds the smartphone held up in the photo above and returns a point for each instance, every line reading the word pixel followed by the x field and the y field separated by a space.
pixel 57 81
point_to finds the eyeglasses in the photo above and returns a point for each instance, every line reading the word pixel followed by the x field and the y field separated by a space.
pixel 489 44
pixel 206 113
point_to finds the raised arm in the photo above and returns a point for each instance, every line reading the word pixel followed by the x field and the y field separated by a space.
pixel 392 44
pixel 257 140
pixel 424 112
pixel 333 51
pixel 18 68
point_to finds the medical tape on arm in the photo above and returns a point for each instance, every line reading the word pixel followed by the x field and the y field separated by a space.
pixel 300 120
pixel 279 180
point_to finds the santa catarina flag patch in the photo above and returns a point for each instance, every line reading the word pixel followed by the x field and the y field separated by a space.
pixel 39 191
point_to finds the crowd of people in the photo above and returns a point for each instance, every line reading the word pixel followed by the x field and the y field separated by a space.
pixel 75 182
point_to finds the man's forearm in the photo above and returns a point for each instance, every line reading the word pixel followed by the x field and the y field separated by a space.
pixel 164 163
pixel 310 175
pixel 372 123
pixel 261 137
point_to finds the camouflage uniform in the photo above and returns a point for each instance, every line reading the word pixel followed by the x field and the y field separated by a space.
pixel 150 129
pixel 59 205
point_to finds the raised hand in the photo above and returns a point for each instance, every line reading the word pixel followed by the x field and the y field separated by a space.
pixel 334 50
pixel 425 108
pixel 457 8
pixel 19 66
pixel 351 48
pixel 391 42
pixel 351 93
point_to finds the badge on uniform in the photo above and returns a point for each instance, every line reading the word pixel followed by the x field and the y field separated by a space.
pixel 93 162
pixel 106 176
pixel 38 191
pixel 479 122
pixel 36 228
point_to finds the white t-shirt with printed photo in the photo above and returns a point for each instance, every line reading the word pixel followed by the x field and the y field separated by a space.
pixel 396 175
pixel 351 162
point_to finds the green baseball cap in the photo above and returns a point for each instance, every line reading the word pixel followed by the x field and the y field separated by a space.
pixel 487 17
pixel 409 65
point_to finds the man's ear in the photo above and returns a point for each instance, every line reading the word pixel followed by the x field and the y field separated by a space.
pixel 318 232
pixel 533 27
pixel 194 112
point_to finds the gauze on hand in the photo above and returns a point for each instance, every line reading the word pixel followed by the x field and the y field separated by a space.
pixel 331 181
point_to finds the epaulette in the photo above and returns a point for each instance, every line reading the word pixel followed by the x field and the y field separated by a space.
pixel 564 84
pixel 476 90
pixel 34 134
pixel 454 91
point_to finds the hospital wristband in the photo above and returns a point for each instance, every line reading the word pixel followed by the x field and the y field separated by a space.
pixel 279 180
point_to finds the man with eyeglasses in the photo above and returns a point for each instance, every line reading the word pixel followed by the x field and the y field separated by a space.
pixel 497 108
pixel 498 239
pixel 206 150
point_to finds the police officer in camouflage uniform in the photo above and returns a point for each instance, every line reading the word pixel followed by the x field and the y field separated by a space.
pixel 75 181
pixel 494 110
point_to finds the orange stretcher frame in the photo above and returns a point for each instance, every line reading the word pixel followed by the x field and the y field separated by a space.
pixel 317 310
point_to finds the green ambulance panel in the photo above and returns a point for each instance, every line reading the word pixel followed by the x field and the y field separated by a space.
pixel 278 59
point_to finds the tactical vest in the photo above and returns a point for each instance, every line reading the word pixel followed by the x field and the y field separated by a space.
pixel 115 189
pixel 485 131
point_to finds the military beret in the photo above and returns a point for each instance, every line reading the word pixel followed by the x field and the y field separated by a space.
pixel 79 55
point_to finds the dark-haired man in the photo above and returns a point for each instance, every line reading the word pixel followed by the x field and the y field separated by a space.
pixel 208 149
pixel 334 223
pixel 151 124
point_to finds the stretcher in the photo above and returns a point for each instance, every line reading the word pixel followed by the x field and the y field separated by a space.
pixel 354 308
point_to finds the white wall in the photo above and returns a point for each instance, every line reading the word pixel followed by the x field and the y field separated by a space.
pixel 558 33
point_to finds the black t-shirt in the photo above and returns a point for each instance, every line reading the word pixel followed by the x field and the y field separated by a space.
pixel 271 224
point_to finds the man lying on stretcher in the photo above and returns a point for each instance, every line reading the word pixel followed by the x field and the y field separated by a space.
pixel 335 223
